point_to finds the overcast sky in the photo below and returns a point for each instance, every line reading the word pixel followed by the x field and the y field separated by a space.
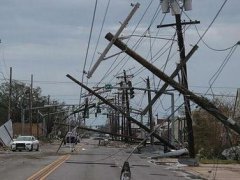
pixel 48 38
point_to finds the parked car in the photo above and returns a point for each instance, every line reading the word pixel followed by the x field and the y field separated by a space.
pixel 25 143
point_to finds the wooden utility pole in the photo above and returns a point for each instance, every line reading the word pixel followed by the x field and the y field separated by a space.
pixel 128 126
pixel 185 84
pixel 10 95
pixel 184 81
pixel 151 125
pixel 201 101
pixel 122 112
pixel 123 117
pixel 48 119
pixel 30 105
pixel 117 114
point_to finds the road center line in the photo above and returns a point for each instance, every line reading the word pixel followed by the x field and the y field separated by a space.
pixel 44 172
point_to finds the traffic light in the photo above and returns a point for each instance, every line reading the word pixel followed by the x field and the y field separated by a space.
pixel 132 92
pixel 131 89
pixel 108 86
pixel 86 109
pixel 98 109
pixel 86 114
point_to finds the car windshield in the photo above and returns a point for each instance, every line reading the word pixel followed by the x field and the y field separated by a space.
pixel 24 138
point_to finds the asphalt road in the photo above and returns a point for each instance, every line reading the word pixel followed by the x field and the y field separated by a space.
pixel 88 162
pixel 95 162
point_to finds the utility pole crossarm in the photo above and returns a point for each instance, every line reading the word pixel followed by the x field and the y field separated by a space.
pixel 102 56
pixel 201 101
pixel 182 23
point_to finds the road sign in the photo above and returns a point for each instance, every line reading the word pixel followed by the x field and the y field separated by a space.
pixel 108 86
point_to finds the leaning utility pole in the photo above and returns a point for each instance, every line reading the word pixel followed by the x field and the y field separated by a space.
pixel 122 112
pixel 123 25
pixel 201 101
pixel 173 75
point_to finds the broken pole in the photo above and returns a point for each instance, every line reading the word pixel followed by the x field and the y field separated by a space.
pixel 201 101
pixel 122 112
pixel 173 75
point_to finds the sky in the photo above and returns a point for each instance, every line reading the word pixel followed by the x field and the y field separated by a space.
pixel 49 39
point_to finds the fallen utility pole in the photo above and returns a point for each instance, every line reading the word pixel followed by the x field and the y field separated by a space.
pixel 122 112
pixel 100 131
pixel 173 75
pixel 201 101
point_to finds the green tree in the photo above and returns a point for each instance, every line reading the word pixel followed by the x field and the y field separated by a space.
pixel 211 136
pixel 20 99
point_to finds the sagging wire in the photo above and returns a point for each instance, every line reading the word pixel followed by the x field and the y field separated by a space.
pixel 109 156
pixel 156 58
pixel 141 143
pixel 150 51
pixel 108 72
pixel 100 33
pixel 220 69
pixel 89 41
pixel 215 17
pixel 167 60
pixel 209 47
pixel 140 40
pixel 201 39
pixel 142 68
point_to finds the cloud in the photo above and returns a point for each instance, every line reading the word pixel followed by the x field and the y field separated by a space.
pixel 49 39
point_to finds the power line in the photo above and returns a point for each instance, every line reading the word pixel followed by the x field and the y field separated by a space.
pixel 89 40
pixel 220 69
pixel 212 21
pixel 140 40
pixel 110 70
pixel 100 33
pixel 214 49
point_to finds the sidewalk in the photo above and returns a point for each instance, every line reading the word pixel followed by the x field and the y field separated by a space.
pixel 215 171
pixel 205 171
